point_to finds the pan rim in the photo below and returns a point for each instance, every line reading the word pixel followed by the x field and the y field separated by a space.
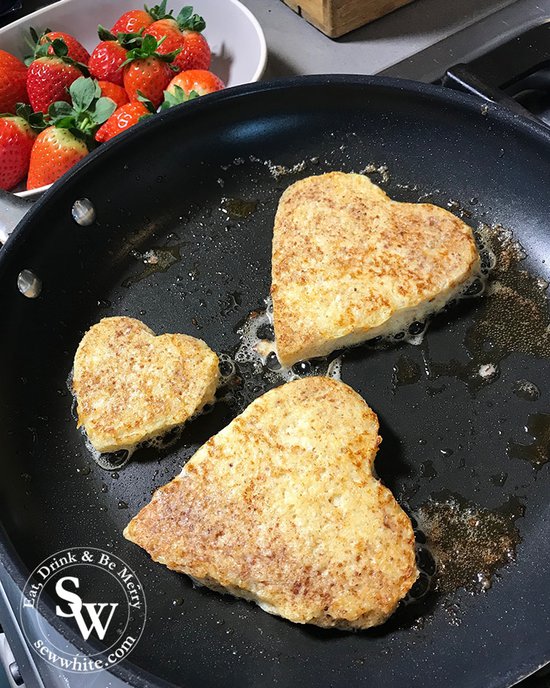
pixel 14 567
pixel 447 96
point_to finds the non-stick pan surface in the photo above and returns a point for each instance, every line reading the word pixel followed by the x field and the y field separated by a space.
pixel 176 186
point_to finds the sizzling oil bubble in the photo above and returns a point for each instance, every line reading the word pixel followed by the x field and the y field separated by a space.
pixel 526 390
pixel 227 368
pixel 538 452
pixel 257 366
pixel 514 317
pixel 381 170
pixel 425 563
pixel 470 543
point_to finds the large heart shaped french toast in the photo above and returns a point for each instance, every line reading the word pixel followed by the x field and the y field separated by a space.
pixel 349 264
pixel 132 386
pixel 281 507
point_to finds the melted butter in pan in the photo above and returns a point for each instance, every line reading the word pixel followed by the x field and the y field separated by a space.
pixel 470 543
pixel 515 317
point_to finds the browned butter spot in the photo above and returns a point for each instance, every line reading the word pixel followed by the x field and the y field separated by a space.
pixel 470 542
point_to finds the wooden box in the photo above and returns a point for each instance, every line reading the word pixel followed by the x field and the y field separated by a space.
pixel 337 17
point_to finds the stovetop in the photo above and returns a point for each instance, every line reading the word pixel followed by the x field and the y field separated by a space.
pixel 507 26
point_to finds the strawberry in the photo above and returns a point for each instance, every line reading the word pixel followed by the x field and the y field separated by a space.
pixel 76 51
pixel 198 81
pixel 132 22
pixel 182 33
pixel 16 141
pixel 147 72
pixel 168 30
pixel 13 82
pixel 54 152
pixel 195 52
pixel 49 77
pixel 163 26
pixel 123 118
pixel 108 56
pixel 67 141
pixel 116 93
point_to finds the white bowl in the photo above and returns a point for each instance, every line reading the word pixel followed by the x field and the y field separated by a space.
pixel 235 37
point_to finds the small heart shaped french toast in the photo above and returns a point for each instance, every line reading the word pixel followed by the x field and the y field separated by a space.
pixel 282 508
pixel 349 264
pixel 132 386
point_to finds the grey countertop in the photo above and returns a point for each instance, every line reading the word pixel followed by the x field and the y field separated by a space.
pixel 296 47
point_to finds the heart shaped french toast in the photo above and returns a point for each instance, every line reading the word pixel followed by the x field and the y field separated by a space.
pixel 132 386
pixel 281 507
pixel 349 264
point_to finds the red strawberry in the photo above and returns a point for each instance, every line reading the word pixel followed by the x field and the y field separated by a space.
pixel 76 51
pixel 48 79
pixel 122 119
pixel 199 81
pixel 106 62
pixel 167 29
pixel 149 76
pixel 146 72
pixel 54 152
pixel 13 82
pixel 116 93
pixel 183 34
pixel 132 22
pixel 195 52
pixel 16 140
pixel 63 144
pixel 137 20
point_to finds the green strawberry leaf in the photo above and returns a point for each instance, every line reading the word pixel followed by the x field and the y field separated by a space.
pixel 158 11
pixel 126 40
pixel 65 122
pixel 83 92
pixel 59 110
pixel 104 34
pixel 150 44
pixel 129 41
pixel 148 48
pixel 104 108
pixel 148 104
pixel 23 110
pixel 59 47
pixel 38 121
pixel 145 116
pixel 87 111
pixel 39 49
pixel 177 98
pixel 187 21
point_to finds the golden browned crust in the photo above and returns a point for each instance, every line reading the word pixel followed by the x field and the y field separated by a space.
pixel 281 507
pixel 350 264
pixel 132 386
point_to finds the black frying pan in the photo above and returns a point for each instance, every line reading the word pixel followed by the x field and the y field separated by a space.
pixel 163 184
